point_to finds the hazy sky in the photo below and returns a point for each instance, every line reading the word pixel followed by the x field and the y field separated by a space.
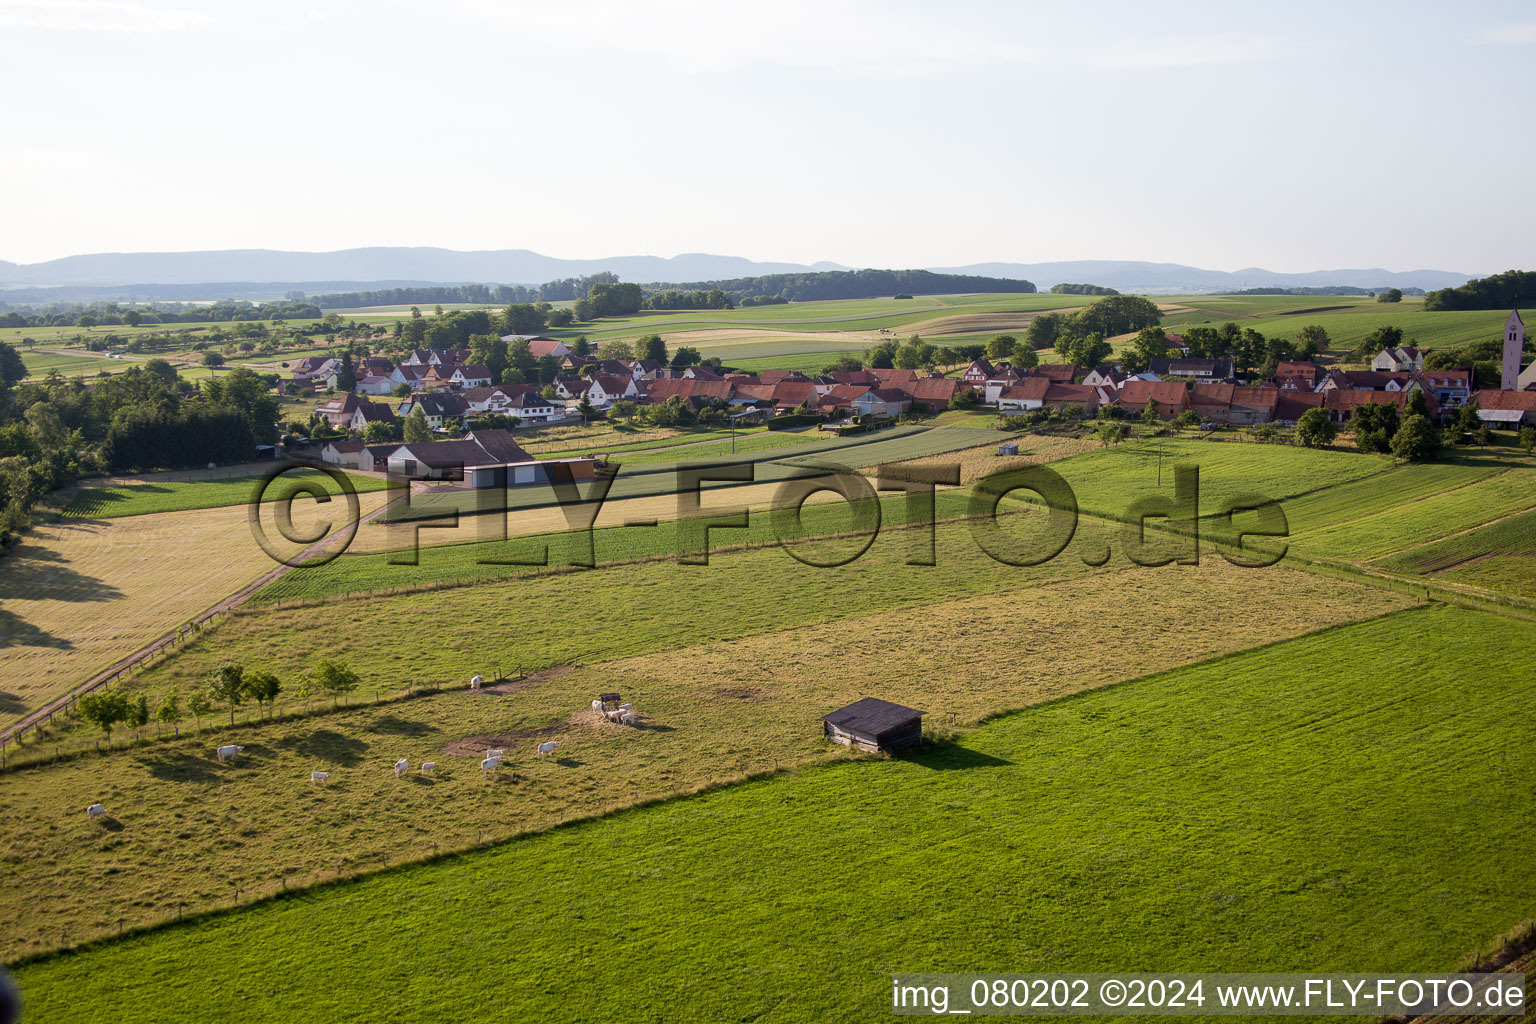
pixel 1296 136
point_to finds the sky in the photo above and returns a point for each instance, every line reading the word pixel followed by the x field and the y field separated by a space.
pixel 1293 137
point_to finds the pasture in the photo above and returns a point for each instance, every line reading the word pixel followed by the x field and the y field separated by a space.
pixel 1246 813
pixel 136 499
pixel 724 693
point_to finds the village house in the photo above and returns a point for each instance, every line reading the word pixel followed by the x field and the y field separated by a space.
pixel 1074 399
pixel 1253 405
pixel 1025 396
pixel 375 385
pixel 1291 405
pixel 1342 403
pixel 484 459
pixel 1510 409
pixel 341 453
pixel 1195 369
pixel 607 388
pixel 374 458
pixel 1212 400
pixel 412 375
pixel 1300 375
pixel 1100 376
pixel 1399 360
pixel 470 376
pixel 931 394
pixel 1450 387
pixel 881 403
pixel 1170 398
pixel 1368 380
pixel 979 372
pixel 441 408
pixel 1061 373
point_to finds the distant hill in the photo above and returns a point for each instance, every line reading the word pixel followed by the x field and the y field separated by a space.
pixel 1135 276
pixel 353 269
pixel 395 263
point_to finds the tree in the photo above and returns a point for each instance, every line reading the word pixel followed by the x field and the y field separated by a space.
pixel 623 409
pixel 346 377
pixel 334 678
pixel 1528 438
pixel 653 348
pixel 1375 424
pixel 685 356
pixel 1313 339
pixel 1044 329
pixel 138 712
pixel 262 687
pixel 169 711
pixel 1417 404
pixel 417 430
pixel 228 686
pixel 1150 343
pixel 212 359
pixel 402 391
pixel 1484 435
pixel 966 398
pixel 1417 440
pixel 843 364
pixel 616 350
pixel 199 705
pixel 379 431
pixel 104 709
pixel 1109 432
pixel 1315 429
pixel 1391 295
pixel 1382 337
pixel 1001 346
pixel 1149 412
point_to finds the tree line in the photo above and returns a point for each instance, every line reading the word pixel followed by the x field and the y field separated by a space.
pixel 850 284
pixel 109 314
pixel 1509 290
pixel 1081 289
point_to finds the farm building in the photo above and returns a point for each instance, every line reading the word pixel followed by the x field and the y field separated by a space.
pixel 874 724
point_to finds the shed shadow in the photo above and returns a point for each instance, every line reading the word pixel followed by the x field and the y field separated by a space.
pixel 948 756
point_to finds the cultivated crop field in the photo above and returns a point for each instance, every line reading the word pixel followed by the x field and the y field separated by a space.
pixel 713 710
pixel 1206 815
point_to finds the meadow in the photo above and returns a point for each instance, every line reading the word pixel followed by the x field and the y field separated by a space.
pixel 136 499
pixel 722 696
pixel 1500 555
pixel 1211 817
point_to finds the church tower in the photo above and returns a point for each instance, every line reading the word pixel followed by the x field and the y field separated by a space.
pixel 1514 348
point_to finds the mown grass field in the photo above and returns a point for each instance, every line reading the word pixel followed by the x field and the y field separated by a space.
pixel 77 595
pixel 1250 813
pixel 722 696
pixel 135 499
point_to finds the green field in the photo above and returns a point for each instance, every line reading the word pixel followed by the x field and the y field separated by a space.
pixel 180 496
pixel 1500 555
pixel 1212 817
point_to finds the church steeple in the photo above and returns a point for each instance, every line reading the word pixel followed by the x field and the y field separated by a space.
pixel 1514 349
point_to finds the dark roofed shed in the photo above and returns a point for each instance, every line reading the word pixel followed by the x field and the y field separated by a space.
pixel 875 724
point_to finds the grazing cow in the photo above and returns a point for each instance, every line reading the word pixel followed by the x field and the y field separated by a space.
pixel 229 753
pixel 429 767
pixel 489 765
pixel 321 777
pixel 475 681
pixel 402 767
pixel 495 752
pixel 94 811
pixel 547 748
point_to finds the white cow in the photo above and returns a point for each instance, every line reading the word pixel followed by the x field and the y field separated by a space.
pixel 495 752
pixel 547 748
pixel 94 811
pixel 402 768
pixel 489 765
pixel 229 753
pixel 321 777
pixel 475 681
pixel 429 767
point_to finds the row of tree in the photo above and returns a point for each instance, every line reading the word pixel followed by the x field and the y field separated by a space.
pixel 113 315
pixel 230 687
pixel 1509 290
